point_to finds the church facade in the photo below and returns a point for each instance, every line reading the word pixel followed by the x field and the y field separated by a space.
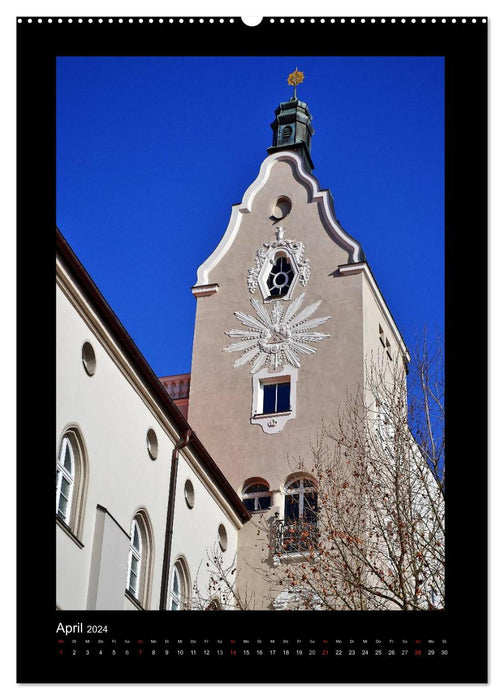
pixel 288 315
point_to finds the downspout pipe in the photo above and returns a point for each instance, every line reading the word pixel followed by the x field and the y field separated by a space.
pixel 170 512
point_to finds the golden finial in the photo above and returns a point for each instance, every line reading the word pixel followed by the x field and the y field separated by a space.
pixel 295 79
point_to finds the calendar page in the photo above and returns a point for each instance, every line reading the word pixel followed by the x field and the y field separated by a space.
pixel 264 266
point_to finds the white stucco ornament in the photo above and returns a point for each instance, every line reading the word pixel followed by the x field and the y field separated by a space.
pixel 276 340
pixel 265 257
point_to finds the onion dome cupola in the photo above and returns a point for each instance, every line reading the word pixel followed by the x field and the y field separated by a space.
pixel 292 129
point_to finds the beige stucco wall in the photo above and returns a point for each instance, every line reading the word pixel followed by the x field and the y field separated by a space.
pixel 221 396
pixel 113 415
pixel 220 404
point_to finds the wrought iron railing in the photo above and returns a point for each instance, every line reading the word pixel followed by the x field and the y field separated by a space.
pixel 294 536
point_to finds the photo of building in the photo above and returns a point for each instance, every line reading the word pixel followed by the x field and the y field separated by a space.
pixel 284 470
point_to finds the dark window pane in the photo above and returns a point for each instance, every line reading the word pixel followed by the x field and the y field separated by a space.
pixel 62 506
pixel 136 538
pixel 249 504
pixel 292 507
pixel 264 502
pixel 68 459
pixel 283 397
pixel 310 506
pixel 269 398
pixel 280 277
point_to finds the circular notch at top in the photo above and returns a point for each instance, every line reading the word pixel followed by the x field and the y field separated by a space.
pixel 251 21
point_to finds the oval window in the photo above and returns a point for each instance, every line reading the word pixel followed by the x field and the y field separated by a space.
pixel 152 444
pixel 223 540
pixel 89 358
pixel 189 494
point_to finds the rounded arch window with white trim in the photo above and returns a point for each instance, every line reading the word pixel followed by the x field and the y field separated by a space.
pixel 135 559
pixel 65 473
pixel 301 500
pixel 256 495
pixel 298 532
pixel 139 559
pixel 71 480
pixel 180 586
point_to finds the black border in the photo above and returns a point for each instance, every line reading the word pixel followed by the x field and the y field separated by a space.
pixel 464 622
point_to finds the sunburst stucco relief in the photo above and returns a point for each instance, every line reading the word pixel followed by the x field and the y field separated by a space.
pixel 277 339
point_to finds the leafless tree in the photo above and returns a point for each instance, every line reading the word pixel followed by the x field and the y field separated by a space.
pixel 215 585
pixel 378 542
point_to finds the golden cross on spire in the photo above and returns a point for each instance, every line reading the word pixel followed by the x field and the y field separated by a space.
pixel 295 79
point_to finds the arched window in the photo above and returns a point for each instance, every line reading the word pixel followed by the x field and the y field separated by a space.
pixel 71 476
pixel 301 500
pixel 134 559
pixel 299 530
pixel 180 586
pixel 256 495
pixel 65 473
pixel 139 558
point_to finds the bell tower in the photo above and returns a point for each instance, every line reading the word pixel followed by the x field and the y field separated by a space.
pixel 287 311
pixel 292 127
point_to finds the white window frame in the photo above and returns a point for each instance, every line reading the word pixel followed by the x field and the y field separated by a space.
pixel 135 554
pixel 179 599
pixel 271 257
pixel 64 476
pixel 301 490
pixel 273 422
pixel 256 495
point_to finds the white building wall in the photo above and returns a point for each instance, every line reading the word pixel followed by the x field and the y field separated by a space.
pixel 196 536
pixel 113 419
pixel 376 315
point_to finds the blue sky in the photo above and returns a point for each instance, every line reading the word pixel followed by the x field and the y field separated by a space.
pixel 153 151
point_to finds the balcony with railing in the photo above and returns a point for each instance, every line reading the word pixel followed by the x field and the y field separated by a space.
pixel 294 536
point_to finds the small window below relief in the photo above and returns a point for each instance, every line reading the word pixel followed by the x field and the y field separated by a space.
pixel 276 397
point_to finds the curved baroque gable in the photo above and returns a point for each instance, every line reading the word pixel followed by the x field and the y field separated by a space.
pixel 339 235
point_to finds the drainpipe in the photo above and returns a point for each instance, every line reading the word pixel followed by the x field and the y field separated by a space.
pixel 170 512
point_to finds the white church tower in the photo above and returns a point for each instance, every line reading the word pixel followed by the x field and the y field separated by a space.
pixel 288 311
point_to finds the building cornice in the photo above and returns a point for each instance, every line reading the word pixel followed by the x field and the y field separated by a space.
pixel 78 286
pixel 322 197
pixel 363 267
